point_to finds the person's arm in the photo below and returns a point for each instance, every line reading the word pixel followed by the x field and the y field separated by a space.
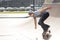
pixel 44 9
pixel 34 17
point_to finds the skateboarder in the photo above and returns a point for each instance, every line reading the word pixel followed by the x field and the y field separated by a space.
pixel 43 14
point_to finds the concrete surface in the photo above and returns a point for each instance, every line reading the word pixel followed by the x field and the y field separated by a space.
pixel 55 11
pixel 23 29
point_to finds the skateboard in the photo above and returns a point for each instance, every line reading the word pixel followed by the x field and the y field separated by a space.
pixel 46 35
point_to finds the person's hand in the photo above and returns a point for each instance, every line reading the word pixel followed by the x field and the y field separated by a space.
pixel 31 14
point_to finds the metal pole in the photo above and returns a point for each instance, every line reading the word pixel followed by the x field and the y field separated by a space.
pixel 33 5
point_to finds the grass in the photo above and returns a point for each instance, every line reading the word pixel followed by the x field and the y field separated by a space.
pixel 14 12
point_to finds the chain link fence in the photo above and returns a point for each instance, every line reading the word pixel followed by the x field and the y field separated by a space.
pixel 19 5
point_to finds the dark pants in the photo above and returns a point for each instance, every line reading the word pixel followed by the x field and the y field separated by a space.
pixel 44 16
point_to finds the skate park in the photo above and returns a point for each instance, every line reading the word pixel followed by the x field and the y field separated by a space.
pixel 24 28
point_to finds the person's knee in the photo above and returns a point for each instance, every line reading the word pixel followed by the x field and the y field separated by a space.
pixel 40 22
pixel 47 25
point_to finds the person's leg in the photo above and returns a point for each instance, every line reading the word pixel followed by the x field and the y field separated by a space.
pixel 44 16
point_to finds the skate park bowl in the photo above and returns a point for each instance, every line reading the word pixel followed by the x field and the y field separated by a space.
pixel 55 11
pixel 24 28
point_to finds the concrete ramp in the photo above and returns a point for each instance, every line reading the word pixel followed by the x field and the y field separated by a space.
pixel 23 29
pixel 55 11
